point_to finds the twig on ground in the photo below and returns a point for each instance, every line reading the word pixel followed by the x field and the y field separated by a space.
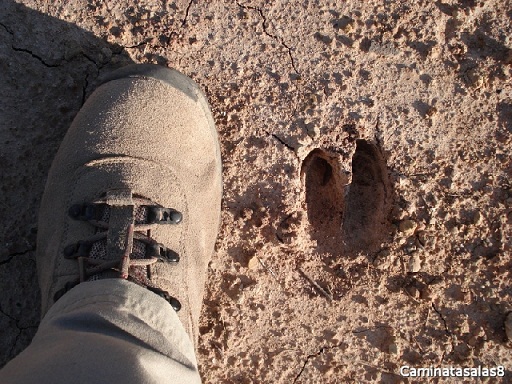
pixel 272 274
pixel 322 291
pixel 267 268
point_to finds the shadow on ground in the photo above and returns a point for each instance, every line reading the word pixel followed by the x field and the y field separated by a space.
pixel 47 69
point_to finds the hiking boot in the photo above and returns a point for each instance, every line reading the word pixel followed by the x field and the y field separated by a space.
pixel 134 192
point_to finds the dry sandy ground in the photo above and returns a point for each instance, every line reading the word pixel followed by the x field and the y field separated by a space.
pixel 366 145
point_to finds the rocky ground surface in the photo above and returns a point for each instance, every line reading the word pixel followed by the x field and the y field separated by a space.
pixel 367 211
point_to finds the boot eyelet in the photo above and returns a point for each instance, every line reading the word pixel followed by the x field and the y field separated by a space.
pixel 175 304
pixel 159 215
pixel 70 251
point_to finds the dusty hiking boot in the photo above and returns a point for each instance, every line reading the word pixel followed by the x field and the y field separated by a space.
pixel 134 192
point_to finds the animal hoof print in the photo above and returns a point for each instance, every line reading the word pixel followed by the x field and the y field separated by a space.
pixel 366 218
pixel 346 218
pixel 324 194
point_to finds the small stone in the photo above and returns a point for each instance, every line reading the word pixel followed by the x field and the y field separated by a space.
pixel 313 130
pixel 393 349
pixel 312 100
pixel 408 227
pixel 422 237
pixel 462 351
pixel 344 23
pixel 426 294
pixel 246 213
pixel 382 258
pixel 508 326
pixel 253 263
pixel 486 308
pixel 403 181
pixel 413 291
pixel 477 218
pixel 414 264
pixel 322 38
pixel 379 261
pixel 454 230
pixel 426 239
pixel 287 229
pixel 411 249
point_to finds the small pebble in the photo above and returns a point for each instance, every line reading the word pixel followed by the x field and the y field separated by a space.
pixel 414 264
pixel 408 227
pixel 253 263
pixel 413 291
pixel 246 213
pixel 410 249
pixel 426 239
pixel 403 181
pixel 393 349
pixel 382 258
pixel 422 237
pixel 477 218
pixel 426 294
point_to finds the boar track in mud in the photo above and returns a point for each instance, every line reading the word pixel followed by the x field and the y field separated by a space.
pixel 346 218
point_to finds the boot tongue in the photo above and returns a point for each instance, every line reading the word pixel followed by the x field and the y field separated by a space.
pixel 120 212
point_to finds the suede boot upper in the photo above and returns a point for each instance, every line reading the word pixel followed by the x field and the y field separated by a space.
pixel 145 135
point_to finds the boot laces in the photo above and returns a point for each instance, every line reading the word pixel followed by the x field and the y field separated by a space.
pixel 135 256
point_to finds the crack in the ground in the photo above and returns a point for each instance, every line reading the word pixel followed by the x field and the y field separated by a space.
pixel 9 316
pixel 10 257
pixel 18 335
pixel 372 329
pixel 84 89
pixel 186 13
pixel 48 65
pixel 443 319
pixel 13 346
pixel 86 80
pixel 312 356
pixel 143 42
pixel 18 327
pixel 16 321
pixel 37 57
pixel 64 60
pixel 90 59
pixel 7 29
pixel 24 50
pixel 280 40
pixel 13 255
pixel 448 333
pixel 281 141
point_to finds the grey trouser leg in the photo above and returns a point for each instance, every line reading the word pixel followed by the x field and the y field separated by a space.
pixel 107 331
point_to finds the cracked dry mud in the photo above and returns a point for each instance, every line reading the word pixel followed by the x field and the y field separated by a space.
pixel 368 206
